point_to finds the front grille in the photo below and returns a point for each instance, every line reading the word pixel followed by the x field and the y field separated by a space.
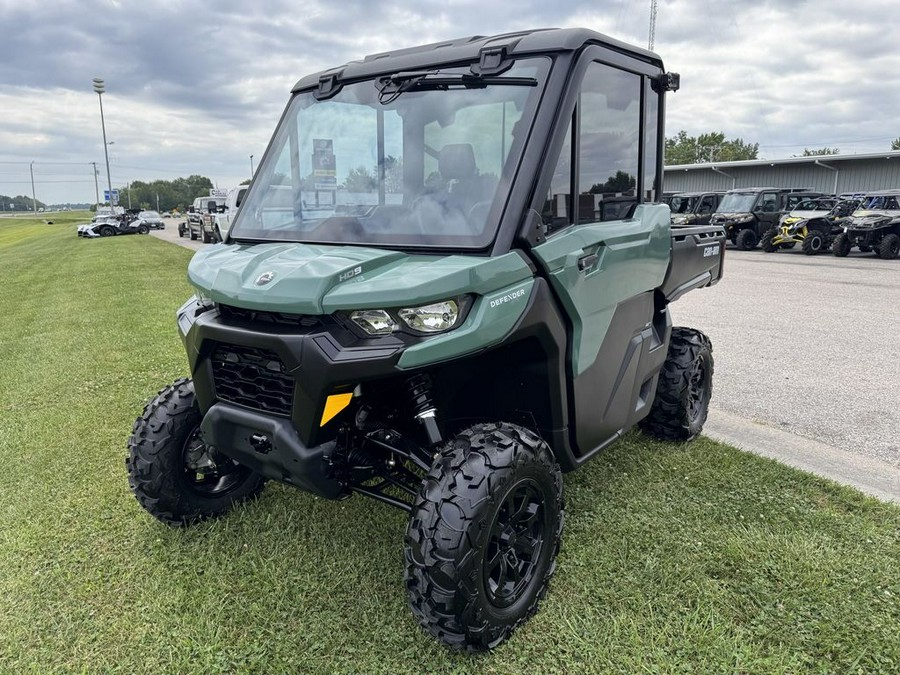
pixel 230 313
pixel 255 378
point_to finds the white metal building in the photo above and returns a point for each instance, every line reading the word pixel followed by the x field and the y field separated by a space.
pixel 825 173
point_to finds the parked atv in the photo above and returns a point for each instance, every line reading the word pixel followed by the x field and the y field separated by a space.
pixel 452 333
pixel 747 213
pixel 813 224
pixel 874 226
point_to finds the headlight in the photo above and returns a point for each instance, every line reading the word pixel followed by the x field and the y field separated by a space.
pixel 374 321
pixel 434 318
pixel 746 218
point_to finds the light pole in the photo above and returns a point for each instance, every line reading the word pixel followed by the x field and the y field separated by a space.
pixel 100 88
pixel 33 198
pixel 96 186
pixel 251 166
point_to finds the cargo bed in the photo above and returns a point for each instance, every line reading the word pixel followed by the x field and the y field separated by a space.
pixel 698 258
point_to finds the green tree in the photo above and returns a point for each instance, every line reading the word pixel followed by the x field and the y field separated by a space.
pixel 708 147
pixel 360 180
pixel 821 151
pixel 172 194
pixel 895 144
pixel 621 182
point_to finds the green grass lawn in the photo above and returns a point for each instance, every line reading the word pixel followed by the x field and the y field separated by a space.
pixel 676 558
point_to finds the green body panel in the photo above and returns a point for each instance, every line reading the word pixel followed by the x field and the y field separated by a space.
pixel 309 279
pixel 632 258
pixel 491 318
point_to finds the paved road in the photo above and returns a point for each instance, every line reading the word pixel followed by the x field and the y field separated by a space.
pixel 808 345
pixel 171 234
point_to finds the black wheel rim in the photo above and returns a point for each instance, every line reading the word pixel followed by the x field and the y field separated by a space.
pixel 515 544
pixel 209 474
pixel 698 390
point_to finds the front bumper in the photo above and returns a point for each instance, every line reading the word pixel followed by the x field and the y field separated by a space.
pixel 277 395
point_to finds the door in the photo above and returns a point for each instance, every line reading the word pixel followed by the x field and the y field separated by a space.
pixel 767 211
pixel 602 270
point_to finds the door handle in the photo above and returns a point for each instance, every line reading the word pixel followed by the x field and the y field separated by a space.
pixel 587 262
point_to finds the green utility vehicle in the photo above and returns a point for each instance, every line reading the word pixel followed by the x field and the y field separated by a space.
pixel 447 285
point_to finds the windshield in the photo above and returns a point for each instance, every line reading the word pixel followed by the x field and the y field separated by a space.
pixel 815 205
pixel 737 202
pixel 880 203
pixel 683 204
pixel 420 167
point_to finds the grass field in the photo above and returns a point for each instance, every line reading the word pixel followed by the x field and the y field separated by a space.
pixel 693 558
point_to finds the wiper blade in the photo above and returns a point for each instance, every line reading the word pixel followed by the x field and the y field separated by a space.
pixel 392 86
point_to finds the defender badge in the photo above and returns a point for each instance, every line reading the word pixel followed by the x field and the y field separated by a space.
pixel 264 278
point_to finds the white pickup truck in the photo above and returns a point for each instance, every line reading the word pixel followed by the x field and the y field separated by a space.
pixel 216 225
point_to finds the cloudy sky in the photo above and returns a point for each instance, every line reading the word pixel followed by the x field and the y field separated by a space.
pixel 197 87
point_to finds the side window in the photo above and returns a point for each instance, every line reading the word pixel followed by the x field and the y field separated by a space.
pixel 707 204
pixel 608 149
pixel 651 121
pixel 557 211
pixel 769 202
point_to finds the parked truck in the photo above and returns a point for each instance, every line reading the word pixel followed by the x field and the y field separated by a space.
pixel 454 331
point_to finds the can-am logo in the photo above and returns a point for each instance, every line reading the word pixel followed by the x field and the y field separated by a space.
pixel 509 297
pixel 264 278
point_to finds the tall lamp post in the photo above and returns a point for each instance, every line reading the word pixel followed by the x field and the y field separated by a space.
pixel 100 88
pixel 251 166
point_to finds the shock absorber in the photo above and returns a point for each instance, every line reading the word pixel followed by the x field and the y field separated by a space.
pixel 423 407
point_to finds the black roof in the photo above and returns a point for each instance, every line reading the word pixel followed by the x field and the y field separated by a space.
pixel 463 50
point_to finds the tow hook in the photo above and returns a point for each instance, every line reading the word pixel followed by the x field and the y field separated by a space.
pixel 261 443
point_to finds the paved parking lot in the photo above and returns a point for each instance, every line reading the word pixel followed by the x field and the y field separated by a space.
pixel 808 345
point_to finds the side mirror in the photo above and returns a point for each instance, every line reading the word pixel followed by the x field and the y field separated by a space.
pixel 211 207
pixel 190 209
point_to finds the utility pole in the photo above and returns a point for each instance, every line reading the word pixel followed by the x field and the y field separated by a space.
pixel 157 202
pixel 96 187
pixel 33 198
pixel 251 166
pixel 128 187
pixel 652 38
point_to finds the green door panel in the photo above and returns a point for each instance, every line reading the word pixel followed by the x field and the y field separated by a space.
pixel 632 257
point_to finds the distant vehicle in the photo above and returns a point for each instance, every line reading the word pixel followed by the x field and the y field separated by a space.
pixel 874 226
pixel 151 219
pixel 694 208
pixel 747 213
pixel 217 225
pixel 194 224
pixel 104 211
pixel 111 226
pixel 813 224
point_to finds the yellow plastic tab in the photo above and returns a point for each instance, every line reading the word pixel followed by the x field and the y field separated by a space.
pixel 333 405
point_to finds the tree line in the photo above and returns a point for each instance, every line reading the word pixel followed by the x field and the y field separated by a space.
pixel 19 203
pixel 165 194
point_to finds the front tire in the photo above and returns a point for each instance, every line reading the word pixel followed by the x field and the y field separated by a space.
pixel 813 243
pixel 889 248
pixel 842 245
pixel 746 240
pixel 483 536
pixel 766 242
pixel 172 473
pixel 684 389
pixel 143 229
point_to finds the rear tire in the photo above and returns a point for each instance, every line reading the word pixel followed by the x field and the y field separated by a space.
pixel 842 245
pixel 483 536
pixel 143 229
pixel 193 236
pixel 746 240
pixel 813 243
pixel 889 248
pixel 766 241
pixel 684 389
pixel 173 475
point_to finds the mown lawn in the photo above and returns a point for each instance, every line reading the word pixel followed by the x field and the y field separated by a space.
pixel 693 558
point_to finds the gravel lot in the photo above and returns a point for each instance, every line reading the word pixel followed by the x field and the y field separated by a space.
pixel 810 345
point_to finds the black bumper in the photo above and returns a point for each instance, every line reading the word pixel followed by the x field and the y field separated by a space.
pixel 271 380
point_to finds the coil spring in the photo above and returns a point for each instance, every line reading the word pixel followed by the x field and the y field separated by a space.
pixel 420 393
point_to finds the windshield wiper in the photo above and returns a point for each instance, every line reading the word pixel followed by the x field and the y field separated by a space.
pixel 393 85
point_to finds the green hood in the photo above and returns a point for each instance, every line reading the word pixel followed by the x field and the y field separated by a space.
pixel 309 279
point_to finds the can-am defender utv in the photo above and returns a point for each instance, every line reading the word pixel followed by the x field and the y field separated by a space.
pixel 874 226
pixel 426 299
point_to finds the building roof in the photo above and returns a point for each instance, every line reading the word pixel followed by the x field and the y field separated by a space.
pixel 813 159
